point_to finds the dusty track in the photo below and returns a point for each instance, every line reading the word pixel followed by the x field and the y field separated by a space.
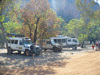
pixel 81 64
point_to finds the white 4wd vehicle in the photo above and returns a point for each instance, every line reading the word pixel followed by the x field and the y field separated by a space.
pixel 22 44
pixel 65 42
pixel 47 44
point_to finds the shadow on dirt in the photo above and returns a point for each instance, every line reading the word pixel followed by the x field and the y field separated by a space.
pixel 38 70
pixel 16 60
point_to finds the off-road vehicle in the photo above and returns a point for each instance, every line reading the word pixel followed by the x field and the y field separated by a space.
pixel 47 44
pixel 22 44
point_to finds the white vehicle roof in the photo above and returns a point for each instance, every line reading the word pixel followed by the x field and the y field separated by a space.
pixel 19 38
pixel 60 37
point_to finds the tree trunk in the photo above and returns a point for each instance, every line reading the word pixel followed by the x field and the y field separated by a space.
pixel 3 30
pixel 35 33
pixel 42 37
pixel 30 33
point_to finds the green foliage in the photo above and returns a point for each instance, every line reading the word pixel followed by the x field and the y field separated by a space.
pixel 25 20
pixel 74 28
pixel 11 26
pixel 90 18
pixel 2 18
pixel 80 37
pixel 62 20
pixel 13 36
pixel 7 37
pixel 37 19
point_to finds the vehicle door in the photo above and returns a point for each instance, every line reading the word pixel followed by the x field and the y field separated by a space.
pixel 21 45
pixel 16 44
pixel 9 43
pixel 49 45
pixel 13 46
pixel 44 45
pixel 75 41
pixel 64 42
pixel 60 41
pixel 69 41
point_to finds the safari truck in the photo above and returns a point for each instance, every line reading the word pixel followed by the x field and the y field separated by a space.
pixel 47 44
pixel 59 42
pixel 22 44
pixel 65 42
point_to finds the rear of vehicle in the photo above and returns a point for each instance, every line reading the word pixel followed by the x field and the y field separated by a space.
pixel 72 43
pixel 47 44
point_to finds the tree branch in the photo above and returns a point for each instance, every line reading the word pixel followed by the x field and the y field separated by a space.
pixel 0 28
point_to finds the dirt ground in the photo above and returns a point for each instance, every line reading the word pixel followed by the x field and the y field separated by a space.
pixel 87 63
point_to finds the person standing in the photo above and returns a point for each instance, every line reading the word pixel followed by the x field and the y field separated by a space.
pixel 34 49
pixel 93 46
pixel 97 43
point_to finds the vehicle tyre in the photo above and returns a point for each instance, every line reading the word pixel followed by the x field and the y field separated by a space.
pixel 74 47
pixel 45 49
pixel 55 49
pixel 9 50
pixel 19 52
pixel 82 46
pixel 24 53
pixel 59 50
pixel 27 52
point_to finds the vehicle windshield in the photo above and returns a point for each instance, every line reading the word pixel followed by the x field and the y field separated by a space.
pixel 27 42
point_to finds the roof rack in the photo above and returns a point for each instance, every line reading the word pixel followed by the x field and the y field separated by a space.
pixel 60 36
pixel 15 35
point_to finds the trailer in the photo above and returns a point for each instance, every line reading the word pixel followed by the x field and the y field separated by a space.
pixel 65 42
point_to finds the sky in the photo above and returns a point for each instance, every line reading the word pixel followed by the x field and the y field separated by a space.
pixel 97 1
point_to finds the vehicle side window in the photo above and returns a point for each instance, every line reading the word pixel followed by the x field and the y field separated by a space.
pixel 59 40
pixel 21 43
pixel 69 40
pixel 74 40
pixel 63 40
pixel 12 41
pixel 55 40
pixel 8 41
pixel 48 42
pixel 16 41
